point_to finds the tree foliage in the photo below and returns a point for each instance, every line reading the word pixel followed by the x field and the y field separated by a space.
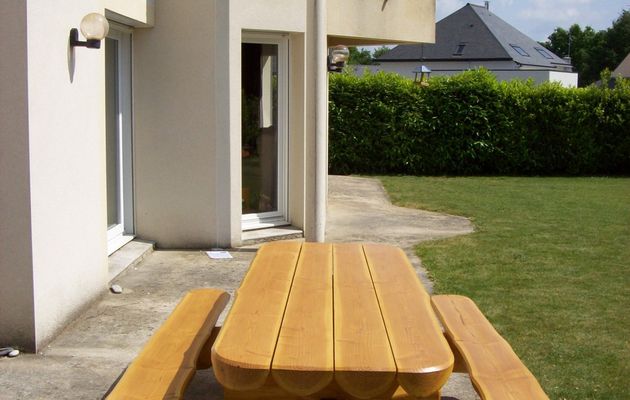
pixel 470 124
pixel 359 56
pixel 592 51
pixel 365 56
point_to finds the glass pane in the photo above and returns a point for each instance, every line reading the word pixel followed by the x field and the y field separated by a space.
pixel 112 133
pixel 259 128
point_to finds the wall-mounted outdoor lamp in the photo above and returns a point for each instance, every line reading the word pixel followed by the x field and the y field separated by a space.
pixel 337 57
pixel 94 28
pixel 425 73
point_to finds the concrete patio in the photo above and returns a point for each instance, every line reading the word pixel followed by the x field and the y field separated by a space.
pixel 85 360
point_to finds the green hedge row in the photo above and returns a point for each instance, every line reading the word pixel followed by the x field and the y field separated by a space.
pixel 471 124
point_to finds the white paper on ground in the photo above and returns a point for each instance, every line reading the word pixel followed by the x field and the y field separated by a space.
pixel 219 254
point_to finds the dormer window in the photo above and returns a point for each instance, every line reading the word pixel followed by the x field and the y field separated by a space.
pixel 460 49
pixel 520 50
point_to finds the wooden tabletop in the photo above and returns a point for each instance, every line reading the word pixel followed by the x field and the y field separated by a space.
pixel 331 320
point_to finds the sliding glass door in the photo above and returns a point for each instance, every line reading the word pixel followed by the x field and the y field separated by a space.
pixel 264 78
pixel 118 137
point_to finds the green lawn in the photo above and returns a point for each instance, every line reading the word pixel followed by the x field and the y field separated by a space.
pixel 549 264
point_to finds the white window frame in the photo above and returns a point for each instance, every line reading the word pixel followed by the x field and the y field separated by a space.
pixel 122 233
pixel 279 217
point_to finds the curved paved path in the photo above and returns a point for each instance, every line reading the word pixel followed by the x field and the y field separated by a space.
pixel 359 210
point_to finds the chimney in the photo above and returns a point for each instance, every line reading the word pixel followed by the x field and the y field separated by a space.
pixel 487 5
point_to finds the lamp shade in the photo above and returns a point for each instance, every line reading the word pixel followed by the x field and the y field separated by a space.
pixel 340 54
pixel 94 26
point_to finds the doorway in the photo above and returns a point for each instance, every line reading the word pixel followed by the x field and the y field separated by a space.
pixel 118 127
pixel 264 133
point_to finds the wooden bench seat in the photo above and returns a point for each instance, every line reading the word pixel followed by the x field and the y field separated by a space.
pixel 169 360
pixel 494 368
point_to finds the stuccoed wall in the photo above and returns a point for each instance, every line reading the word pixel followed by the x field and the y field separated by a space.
pixel 53 254
pixel 356 22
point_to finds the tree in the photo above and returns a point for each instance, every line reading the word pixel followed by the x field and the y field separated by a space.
pixel 364 56
pixel 618 38
pixel 591 52
pixel 585 47
pixel 359 57
pixel 380 51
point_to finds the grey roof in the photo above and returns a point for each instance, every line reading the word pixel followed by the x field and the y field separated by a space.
pixel 624 68
pixel 474 33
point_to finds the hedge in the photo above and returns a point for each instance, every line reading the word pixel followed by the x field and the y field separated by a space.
pixel 470 124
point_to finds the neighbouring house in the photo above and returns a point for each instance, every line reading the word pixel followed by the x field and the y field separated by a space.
pixel 474 37
pixel 195 122
pixel 623 69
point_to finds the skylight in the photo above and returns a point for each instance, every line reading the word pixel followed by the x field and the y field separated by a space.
pixel 460 49
pixel 544 53
pixel 520 50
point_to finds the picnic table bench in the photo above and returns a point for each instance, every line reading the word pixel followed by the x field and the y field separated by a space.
pixel 170 358
pixel 495 370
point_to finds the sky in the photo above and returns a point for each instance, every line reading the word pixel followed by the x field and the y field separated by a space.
pixel 538 18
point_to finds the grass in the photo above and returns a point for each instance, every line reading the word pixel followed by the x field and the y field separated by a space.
pixel 549 264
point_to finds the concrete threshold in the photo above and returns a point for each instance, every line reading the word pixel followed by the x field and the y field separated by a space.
pixel 271 234
pixel 128 255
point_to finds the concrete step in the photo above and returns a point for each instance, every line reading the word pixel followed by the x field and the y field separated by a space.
pixel 128 256
pixel 258 236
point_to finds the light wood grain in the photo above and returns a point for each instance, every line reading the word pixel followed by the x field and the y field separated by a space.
pixel 269 391
pixel 243 351
pixel 204 361
pixel 168 361
pixel 495 370
pixel 400 394
pixel 303 363
pixel 364 365
pixel 423 357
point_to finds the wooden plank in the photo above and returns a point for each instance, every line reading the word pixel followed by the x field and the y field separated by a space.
pixel 269 391
pixel 303 363
pixel 364 365
pixel 495 370
pixel 243 351
pixel 423 357
pixel 167 362
pixel 400 394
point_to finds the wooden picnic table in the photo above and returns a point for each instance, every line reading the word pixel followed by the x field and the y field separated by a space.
pixel 317 320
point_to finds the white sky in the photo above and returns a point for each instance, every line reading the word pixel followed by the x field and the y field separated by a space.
pixel 538 18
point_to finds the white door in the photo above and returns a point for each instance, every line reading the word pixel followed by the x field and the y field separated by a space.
pixel 118 137
pixel 264 133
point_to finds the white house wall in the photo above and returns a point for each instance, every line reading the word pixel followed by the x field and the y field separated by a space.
pixel 68 267
pixel 174 132
pixel 53 203
pixel 131 12
pixel 362 22
pixel 405 68
pixel 566 79
pixel 288 17
pixel 17 322
pixel 503 70
pixel 67 164
pixel 188 143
